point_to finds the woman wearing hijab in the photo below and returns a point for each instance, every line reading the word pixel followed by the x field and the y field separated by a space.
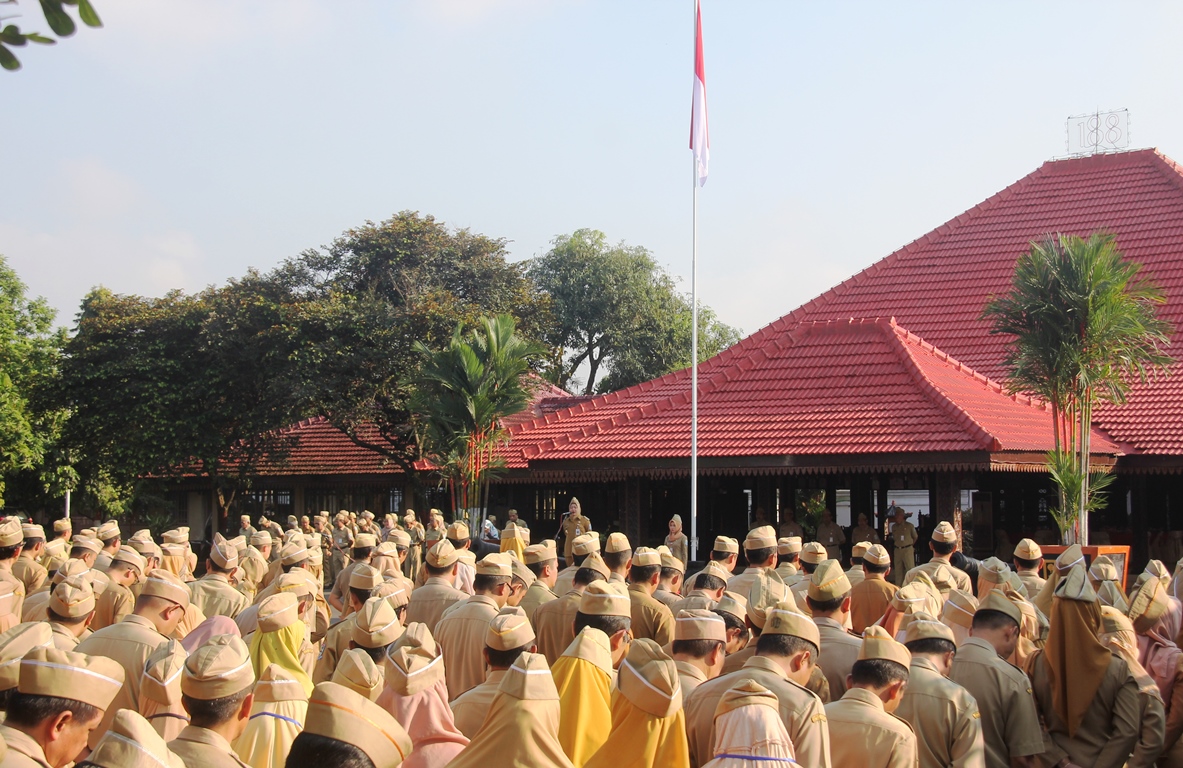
pixel 913 597
pixel 1117 634
pixel 958 614
pixel 677 541
pixel 416 694
pixel 1067 560
pixel 583 677
pixel 160 690
pixel 280 639
pixel 515 539
pixel 277 717
pixel 748 730
pixel 1162 660
pixel 521 729
pixel 1086 696
pixel 214 625
pixel 1173 619
pixel 648 722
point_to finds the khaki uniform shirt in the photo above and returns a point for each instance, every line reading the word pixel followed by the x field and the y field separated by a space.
pixel 130 642
pixel 461 634
pixel 565 580
pixel 470 709
pixel 336 643
pixel 213 594
pixel 651 619
pixel 63 638
pixel 1032 581
pixel 536 595
pixel 903 534
pixel 667 598
pixel 201 746
pixel 742 583
pixel 18 591
pixel 1010 723
pixel 429 601
pixel 113 605
pixel 573 525
pixel 1110 728
pixel 964 583
pixel 1153 731
pixel 554 625
pixel 31 573
pixel 869 600
pixel 800 710
pixel 23 750
pixel 103 561
pixel 735 661
pixel 837 655
pixel 695 601
pixel 855 575
pixel 864 533
pixel 832 537
pixel 944 718
pixel 862 733
pixel 341 586
pixel 791 528
pixel 689 676
pixel 789 573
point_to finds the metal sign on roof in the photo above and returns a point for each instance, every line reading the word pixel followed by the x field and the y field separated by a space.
pixel 1097 132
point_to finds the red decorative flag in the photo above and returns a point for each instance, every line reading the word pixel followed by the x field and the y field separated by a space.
pixel 700 140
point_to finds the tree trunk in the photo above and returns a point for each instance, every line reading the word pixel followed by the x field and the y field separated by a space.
pixel 1086 416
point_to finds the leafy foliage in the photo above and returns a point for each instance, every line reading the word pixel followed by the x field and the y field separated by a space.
pixel 59 21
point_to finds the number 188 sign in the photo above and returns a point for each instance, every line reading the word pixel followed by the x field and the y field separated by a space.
pixel 1099 132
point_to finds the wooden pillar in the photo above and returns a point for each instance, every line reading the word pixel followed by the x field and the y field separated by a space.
pixel 631 508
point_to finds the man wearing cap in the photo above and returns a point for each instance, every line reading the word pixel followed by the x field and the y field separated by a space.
pixel 831 536
pixel 462 629
pixel 213 593
pixel 507 637
pixel 58 705
pixel 217 690
pixel 157 612
pixel 942 714
pixel 342 543
pixel 438 592
pixel 786 653
pixel 71 606
pixel 11 540
pixel 788 559
pixel 108 534
pixel 63 529
pixel 117 601
pixel 273 528
pixel 760 550
pixel 342 726
pixel 584 545
pixel 254 565
pixel 863 731
pixel 700 640
pixel 461 539
pixel 28 567
pixel 245 528
pixel 669 586
pixel 1028 558
pixel 362 583
pixel 543 562
pixel 362 553
pixel 574 525
pixel 813 555
pixel 790 528
pixel 864 531
pixel 81 548
pixel 706 589
pixel 828 597
pixel 618 556
pixel 903 539
pixel 553 621
pixel 943 545
pixel 871 596
pixel 1010 722
pixel 651 619
pixel 855 574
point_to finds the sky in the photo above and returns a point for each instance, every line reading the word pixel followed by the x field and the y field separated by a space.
pixel 190 140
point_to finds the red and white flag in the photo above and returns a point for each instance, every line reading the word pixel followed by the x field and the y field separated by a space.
pixel 700 140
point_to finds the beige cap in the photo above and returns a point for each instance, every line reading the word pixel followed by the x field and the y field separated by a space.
pixel 595 562
pixel 877 554
pixel 1075 586
pixel 1153 568
pixel 222 553
pixel 747 693
pixel 617 542
pixel 941 577
pixel 514 530
pixel 669 561
pixel 161 679
pixel 73 598
pixel 712 568
pixel 376 624
pixel 145 547
pixel 699 625
pixel 278 684
pixel 414 663
pixel 399 538
pixel 828 582
pixel 129 556
pixel 585 543
pixel 69 569
pixel 1113 620
pixel 944 533
pixel 1148 603
pixel 458 531
pixel 315 557
pixel 813 553
pixel 261 539
pixel 1074 555
pixel 298 582
pixel 788 545
pixel 93 680
pixel 520 571
pixel 278 611
pixel 760 538
pixel 221 667
pixel 162 583
pixel 924 627
pixel 767 591
pixel 337 712
pixel 538 553
pixel 860 549
pixel 993 570
pixel 996 600
pixel 10 532
pixel 603 598
pixel 785 619
pixel 644 556
pixel 877 644
pixel 358 672
pixel 15 643
pixel 175 536
pixel 62 524
pixel 1103 569
pixel 108 530
pixel 442 554
pixel 649 679
pixel 85 542
pixel 529 679
pixel 495 564
pixel 959 609
pixel 393 592
pixel 1028 550
pixel 364 576
pixel 726 544
pixel 509 629
pixel 132 742
pixel 364 540
pixel 733 603
pixel 32 531
pixel 293 553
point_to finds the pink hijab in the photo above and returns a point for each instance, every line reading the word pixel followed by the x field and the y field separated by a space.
pixel 1160 657
pixel 211 627
pixel 428 720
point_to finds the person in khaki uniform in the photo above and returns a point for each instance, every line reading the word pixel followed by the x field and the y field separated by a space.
pixel 705 590
pixel 28 567
pixel 462 629
pixel 870 597
pixel 651 619
pixel 543 562
pixel 342 539
pixel 217 689
pixel 785 658
pixel 343 726
pixel 864 531
pixel 942 714
pixel 669 585
pixel 11 541
pixel 574 526
pixel 554 621
pixel 362 553
pixel 828 598
pixel 1085 694
pixel 1010 722
pixel 788 559
pixel 863 730
pixel 60 699
pixel 1118 635
pixel 439 592
pixel 831 536
pixel 508 636
pixel 943 545
pixel 903 539
pixel 699 648
pixel 117 600
pixel 813 554
pixel 255 563
pixel 71 606
pixel 760 550
pixel 362 583
pixel 212 593
pixel 584 546
pixel 855 573
pixel 1028 558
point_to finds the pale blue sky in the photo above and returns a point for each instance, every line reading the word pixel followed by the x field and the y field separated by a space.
pixel 191 139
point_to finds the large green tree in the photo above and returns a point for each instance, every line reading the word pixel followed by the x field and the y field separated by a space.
pixel 617 312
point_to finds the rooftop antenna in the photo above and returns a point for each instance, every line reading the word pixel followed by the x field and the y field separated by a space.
pixel 1097 132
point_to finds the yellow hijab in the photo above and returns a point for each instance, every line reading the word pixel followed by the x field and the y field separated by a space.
pixel 583 677
pixel 277 717
pixel 282 648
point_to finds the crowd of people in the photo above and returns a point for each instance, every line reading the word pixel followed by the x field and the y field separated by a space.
pixel 355 643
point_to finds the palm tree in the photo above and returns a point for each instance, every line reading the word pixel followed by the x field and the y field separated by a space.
pixel 1085 328
pixel 463 393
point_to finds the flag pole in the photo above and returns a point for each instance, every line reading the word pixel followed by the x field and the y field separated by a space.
pixel 694 341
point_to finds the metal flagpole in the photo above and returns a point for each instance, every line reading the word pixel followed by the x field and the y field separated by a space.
pixel 694 338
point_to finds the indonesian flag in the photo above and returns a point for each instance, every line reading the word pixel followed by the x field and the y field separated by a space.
pixel 700 140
